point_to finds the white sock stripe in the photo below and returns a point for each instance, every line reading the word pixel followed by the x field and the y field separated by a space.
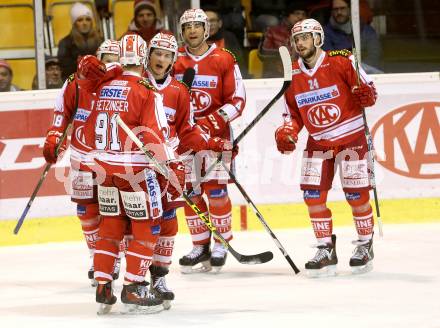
pixel 133 277
pixel 192 217
pixel 99 251
pixel 320 219
pixel 226 235
pixel 201 236
pixel 370 216
pixel 166 238
pixel 100 274
pixel 145 257
pixel 90 232
pixel 162 258
pixel 221 216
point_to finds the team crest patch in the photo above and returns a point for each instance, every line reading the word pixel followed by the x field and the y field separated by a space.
pixel 229 51
pixel 147 84
pixel 342 52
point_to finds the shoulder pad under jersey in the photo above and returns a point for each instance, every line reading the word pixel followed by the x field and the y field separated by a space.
pixel 230 52
pixel 184 84
pixel 71 78
pixel 342 52
pixel 147 84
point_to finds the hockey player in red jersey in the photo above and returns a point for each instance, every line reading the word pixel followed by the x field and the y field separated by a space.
pixel 325 98
pixel 184 135
pixel 108 52
pixel 218 97
pixel 130 187
pixel 75 100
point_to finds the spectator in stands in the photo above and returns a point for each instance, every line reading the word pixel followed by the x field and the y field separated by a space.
pixel 145 22
pixel 83 39
pixel 338 35
pixel 6 77
pixel 277 36
pixel 231 12
pixel 266 13
pixel 222 37
pixel 53 75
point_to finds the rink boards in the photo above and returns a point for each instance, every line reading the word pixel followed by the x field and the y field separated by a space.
pixel 404 123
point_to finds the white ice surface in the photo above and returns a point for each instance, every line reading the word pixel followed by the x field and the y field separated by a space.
pixel 46 286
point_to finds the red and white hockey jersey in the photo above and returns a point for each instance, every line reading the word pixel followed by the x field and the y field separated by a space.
pixel 63 111
pixel 217 83
pixel 133 99
pixel 184 134
pixel 321 100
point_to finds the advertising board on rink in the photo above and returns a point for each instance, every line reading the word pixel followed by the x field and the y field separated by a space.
pixel 405 125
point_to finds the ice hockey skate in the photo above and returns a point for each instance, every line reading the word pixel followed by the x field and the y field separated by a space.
pixel 200 254
pixel 218 257
pixel 362 258
pixel 137 299
pixel 323 264
pixel 91 276
pixel 105 297
pixel 158 285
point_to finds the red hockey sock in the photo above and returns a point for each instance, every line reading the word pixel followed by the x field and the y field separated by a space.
pixel 89 219
pixel 200 233
pixel 139 258
pixel 165 244
pixel 221 218
pixel 104 259
pixel 322 225
pixel 364 223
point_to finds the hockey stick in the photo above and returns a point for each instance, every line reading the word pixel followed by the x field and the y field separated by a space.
pixel 370 144
pixel 261 218
pixel 244 259
pixel 47 167
pixel 287 79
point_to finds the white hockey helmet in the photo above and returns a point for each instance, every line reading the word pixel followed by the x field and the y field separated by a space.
pixel 309 25
pixel 163 41
pixel 108 47
pixel 132 50
pixel 194 15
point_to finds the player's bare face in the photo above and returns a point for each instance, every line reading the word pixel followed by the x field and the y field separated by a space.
pixel 305 44
pixel 109 58
pixel 160 61
pixel 84 24
pixel 193 34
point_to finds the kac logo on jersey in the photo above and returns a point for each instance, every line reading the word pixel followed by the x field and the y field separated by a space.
pixel 80 137
pixel 201 100
pixel 323 115
pixel 114 92
pixel 82 115
pixel 316 96
pixel 170 113
pixel 205 81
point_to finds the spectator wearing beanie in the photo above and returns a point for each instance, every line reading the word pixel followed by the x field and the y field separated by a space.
pixel 6 77
pixel 145 22
pixel 83 39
